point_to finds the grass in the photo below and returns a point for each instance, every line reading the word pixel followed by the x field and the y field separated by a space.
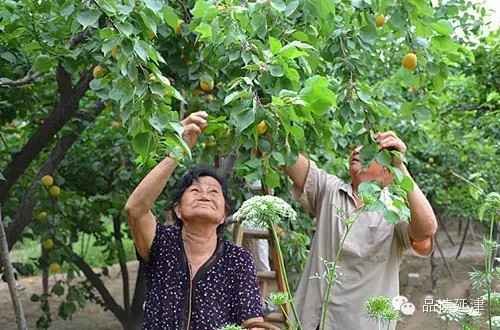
pixel 30 250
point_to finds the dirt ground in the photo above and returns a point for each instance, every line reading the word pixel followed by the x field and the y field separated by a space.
pixel 93 316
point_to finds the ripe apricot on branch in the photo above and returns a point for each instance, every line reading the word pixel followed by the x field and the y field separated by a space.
pixel 210 143
pixel 43 216
pixel 54 267
pixel 410 61
pixel 98 71
pixel 116 124
pixel 262 127
pixel 47 180
pixel 54 191
pixel 178 27
pixel 48 244
pixel 114 52
pixel 209 97
pixel 412 89
pixel 206 83
pixel 379 20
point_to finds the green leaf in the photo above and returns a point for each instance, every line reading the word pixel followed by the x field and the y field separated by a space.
pixel 276 70
pixel 369 187
pixel 384 158
pixel 442 27
pixel 438 83
pixel 244 118
pixel 67 8
pixel 279 157
pixel 291 7
pixel 407 183
pixel 367 153
pixel 87 17
pixel 141 49
pixel 326 7
pixel 159 121
pixel 143 143
pixel 278 5
pixel 43 63
pixel 57 289
pixel 150 24
pixel 154 5
pixel 170 16
pixel 391 216
pixel 297 132
pixel 291 52
pixel 368 34
pixel 205 31
pixel 235 95
pixel 272 179
pixel 2 178
pixel 274 45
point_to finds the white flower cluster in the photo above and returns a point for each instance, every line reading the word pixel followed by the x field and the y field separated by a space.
pixel 263 211
pixel 495 322
pixel 448 310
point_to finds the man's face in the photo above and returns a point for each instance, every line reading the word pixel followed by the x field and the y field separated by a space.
pixel 374 171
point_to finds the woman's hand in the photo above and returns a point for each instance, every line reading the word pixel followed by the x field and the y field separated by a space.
pixel 194 125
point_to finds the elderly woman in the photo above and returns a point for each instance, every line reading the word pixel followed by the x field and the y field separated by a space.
pixel 195 279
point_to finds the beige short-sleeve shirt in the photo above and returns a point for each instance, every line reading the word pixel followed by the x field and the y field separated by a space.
pixel 370 257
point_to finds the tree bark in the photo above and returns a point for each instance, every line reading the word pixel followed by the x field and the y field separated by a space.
pixel 9 273
pixel 123 264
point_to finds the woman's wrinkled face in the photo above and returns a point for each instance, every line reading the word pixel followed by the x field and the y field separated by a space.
pixel 203 201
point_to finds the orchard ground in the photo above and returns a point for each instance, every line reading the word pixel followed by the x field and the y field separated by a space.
pixel 93 316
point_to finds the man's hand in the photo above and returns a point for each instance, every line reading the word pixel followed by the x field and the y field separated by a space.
pixel 389 140
pixel 194 125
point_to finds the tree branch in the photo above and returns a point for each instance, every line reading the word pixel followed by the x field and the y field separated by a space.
pixel 14 292
pixel 139 292
pixel 474 107
pixel 83 84
pixel 100 287
pixel 30 76
pixel 123 264
pixel 63 79
pixel 24 212
pixel 81 37
pixel 66 108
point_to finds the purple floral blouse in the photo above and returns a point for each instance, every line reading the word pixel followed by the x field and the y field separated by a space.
pixel 225 289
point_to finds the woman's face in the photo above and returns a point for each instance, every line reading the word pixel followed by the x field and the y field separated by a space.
pixel 202 201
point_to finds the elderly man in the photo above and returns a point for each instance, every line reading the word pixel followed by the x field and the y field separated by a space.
pixel 373 249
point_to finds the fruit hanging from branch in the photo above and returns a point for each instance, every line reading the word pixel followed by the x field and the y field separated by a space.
pixel 379 20
pixel 47 180
pixel 206 83
pixel 54 191
pixel 410 61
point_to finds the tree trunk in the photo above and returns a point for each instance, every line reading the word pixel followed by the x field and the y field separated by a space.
pixel 9 273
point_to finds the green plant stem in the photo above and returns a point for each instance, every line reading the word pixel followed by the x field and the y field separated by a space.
pixel 285 278
pixel 331 276
pixel 286 316
pixel 388 325
pixel 488 270
pixel 379 323
pixel 446 324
